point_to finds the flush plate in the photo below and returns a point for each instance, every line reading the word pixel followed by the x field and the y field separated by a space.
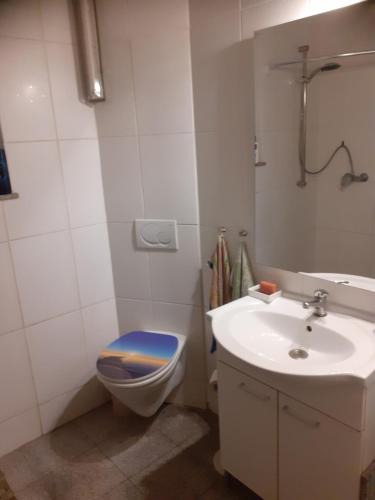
pixel 156 233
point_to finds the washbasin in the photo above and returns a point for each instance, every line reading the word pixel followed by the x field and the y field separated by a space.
pixel 285 338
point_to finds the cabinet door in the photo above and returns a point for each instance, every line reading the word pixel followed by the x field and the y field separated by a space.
pixel 248 431
pixel 319 458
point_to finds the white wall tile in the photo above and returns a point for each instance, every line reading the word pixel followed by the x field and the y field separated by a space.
pixel 101 328
pixel 249 3
pixel 74 119
pixel 116 115
pixel 72 404
pixel 319 6
pixel 122 178
pixel 19 430
pixel 20 18
pixel 112 20
pixel 83 182
pixel 25 100
pixel 204 12
pixel 188 321
pixel 146 18
pixel 169 177
pixel 93 260
pixel 179 318
pixel 10 313
pixel 45 275
pixel 216 155
pixel 335 207
pixel 134 315
pixel 131 266
pixel 164 104
pixel 58 355
pixel 215 34
pixel 16 385
pixel 175 276
pixel 56 21
pixel 343 252
pixel 271 13
pixel 36 175
pixel 3 229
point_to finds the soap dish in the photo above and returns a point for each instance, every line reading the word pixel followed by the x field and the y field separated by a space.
pixel 254 292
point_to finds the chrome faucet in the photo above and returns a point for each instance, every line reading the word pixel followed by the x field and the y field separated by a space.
pixel 319 303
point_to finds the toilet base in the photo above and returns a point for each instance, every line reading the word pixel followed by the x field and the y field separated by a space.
pixel 118 408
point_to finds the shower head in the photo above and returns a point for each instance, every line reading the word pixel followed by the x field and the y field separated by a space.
pixel 330 66
pixel 326 67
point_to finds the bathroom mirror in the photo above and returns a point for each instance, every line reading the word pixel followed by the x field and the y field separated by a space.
pixel 315 138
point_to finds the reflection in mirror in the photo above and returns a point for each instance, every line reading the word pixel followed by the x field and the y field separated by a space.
pixel 315 124
pixel 5 184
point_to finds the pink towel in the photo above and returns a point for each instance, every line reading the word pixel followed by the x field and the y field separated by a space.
pixel 220 286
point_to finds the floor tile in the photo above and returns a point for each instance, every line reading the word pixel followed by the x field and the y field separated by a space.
pixel 54 450
pixel 100 456
pixel 135 453
pixel 101 425
pixel 86 477
pixel 124 491
pixel 17 470
pixel 35 491
pixel 180 424
pixel 177 476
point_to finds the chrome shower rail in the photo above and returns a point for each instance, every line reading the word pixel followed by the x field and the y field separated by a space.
pixel 323 58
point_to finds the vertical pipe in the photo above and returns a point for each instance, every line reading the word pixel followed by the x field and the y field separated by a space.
pixel 303 117
pixel 88 48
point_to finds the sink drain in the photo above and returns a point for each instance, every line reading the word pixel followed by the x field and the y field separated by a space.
pixel 298 354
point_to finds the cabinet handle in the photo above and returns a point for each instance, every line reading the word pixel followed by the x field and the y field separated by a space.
pixel 311 423
pixel 261 397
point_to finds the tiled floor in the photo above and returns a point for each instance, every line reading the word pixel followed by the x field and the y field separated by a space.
pixel 99 456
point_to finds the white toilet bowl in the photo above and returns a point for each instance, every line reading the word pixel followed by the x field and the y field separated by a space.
pixel 142 368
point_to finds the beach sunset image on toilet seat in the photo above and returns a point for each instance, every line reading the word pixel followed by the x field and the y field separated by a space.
pixel 137 355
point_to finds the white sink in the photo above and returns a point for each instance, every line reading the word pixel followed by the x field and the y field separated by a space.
pixel 283 337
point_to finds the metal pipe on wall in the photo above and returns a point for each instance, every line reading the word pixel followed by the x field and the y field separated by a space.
pixel 88 49
pixel 303 117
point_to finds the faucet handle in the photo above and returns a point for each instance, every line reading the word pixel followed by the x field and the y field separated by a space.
pixel 321 294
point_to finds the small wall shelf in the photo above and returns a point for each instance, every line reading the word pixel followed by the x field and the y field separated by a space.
pixel 10 196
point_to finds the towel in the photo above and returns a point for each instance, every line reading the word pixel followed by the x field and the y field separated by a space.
pixel 242 277
pixel 367 489
pixel 220 286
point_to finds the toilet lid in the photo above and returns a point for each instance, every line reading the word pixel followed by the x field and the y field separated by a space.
pixel 137 355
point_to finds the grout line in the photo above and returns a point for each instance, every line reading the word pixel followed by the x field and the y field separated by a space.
pixel 23 329
pixel 18 414
pixel 35 40
pixel 60 315
pixel 54 231
pixel 150 301
pixel 55 139
pixel 182 224
pixel 141 172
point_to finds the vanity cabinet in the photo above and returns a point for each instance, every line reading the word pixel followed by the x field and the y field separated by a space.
pixel 281 448
pixel 248 431
pixel 319 458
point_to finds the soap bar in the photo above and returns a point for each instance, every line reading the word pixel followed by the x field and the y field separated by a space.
pixel 267 287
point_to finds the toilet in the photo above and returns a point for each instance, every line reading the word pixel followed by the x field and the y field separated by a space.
pixel 141 368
